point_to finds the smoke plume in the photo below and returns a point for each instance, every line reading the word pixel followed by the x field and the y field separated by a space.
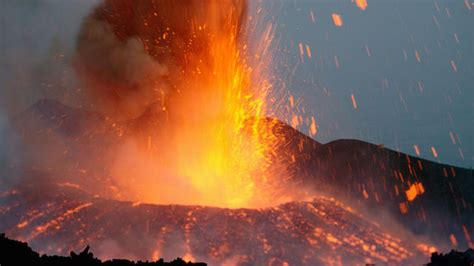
pixel 134 53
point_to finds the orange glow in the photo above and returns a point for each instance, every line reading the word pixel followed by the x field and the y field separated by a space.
pixel 308 51
pixel 415 190
pixel 354 103
pixel 313 129
pixel 215 147
pixel 22 224
pixel 453 240
pixel 362 4
pixel 56 223
pixel 300 46
pixel 337 19
pixel 417 55
pixel 467 236
pixel 188 257
pixel 426 249
pixel 403 208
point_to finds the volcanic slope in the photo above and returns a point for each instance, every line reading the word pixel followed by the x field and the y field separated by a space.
pixel 64 151
pixel 59 218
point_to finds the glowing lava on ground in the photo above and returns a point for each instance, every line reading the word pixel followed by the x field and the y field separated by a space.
pixel 319 232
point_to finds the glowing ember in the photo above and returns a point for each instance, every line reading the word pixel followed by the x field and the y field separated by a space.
pixel 354 103
pixel 362 4
pixel 337 19
pixel 415 190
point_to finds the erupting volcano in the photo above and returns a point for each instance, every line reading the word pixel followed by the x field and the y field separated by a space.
pixel 176 151
pixel 190 59
pixel 194 66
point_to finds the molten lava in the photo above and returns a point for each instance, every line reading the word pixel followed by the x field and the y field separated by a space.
pixel 210 141
pixel 217 146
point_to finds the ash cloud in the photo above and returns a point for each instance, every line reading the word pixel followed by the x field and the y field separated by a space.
pixel 118 74
pixel 130 54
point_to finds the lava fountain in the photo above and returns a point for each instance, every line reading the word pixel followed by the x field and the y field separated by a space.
pixel 191 60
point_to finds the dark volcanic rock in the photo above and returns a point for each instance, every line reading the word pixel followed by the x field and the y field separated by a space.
pixel 378 179
pixel 454 257
pixel 18 253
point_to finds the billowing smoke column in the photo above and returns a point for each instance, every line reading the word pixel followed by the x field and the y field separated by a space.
pixel 133 53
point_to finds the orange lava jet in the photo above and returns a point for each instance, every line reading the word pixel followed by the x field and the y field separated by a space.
pixel 209 140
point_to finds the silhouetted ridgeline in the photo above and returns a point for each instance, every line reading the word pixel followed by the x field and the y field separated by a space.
pixel 13 252
pixel 453 258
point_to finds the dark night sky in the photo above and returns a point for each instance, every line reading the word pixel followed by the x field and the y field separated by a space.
pixel 400 102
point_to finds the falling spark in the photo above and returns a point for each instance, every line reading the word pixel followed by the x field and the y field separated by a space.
pixel 453 65
pixel 367 50
pixel 451 135
pixel 433 150
pixel 336 61
pixel 456 37
pixel 300 46
pixel 292 101
pixel 448 13
pixel 437 6
pixel 313 128
pixel 294 121
pixel 467 236
pixel 308 51
pixel 337 19
pixel 417 149
pixel 435 20
pixel 313 18
pixel 354 103
pixel 22 224
pixel 468 5
pixel 420 86
pixel 365 194
pixel 362 4
pixel 417 55
pixel 461 154
pixel 453 240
